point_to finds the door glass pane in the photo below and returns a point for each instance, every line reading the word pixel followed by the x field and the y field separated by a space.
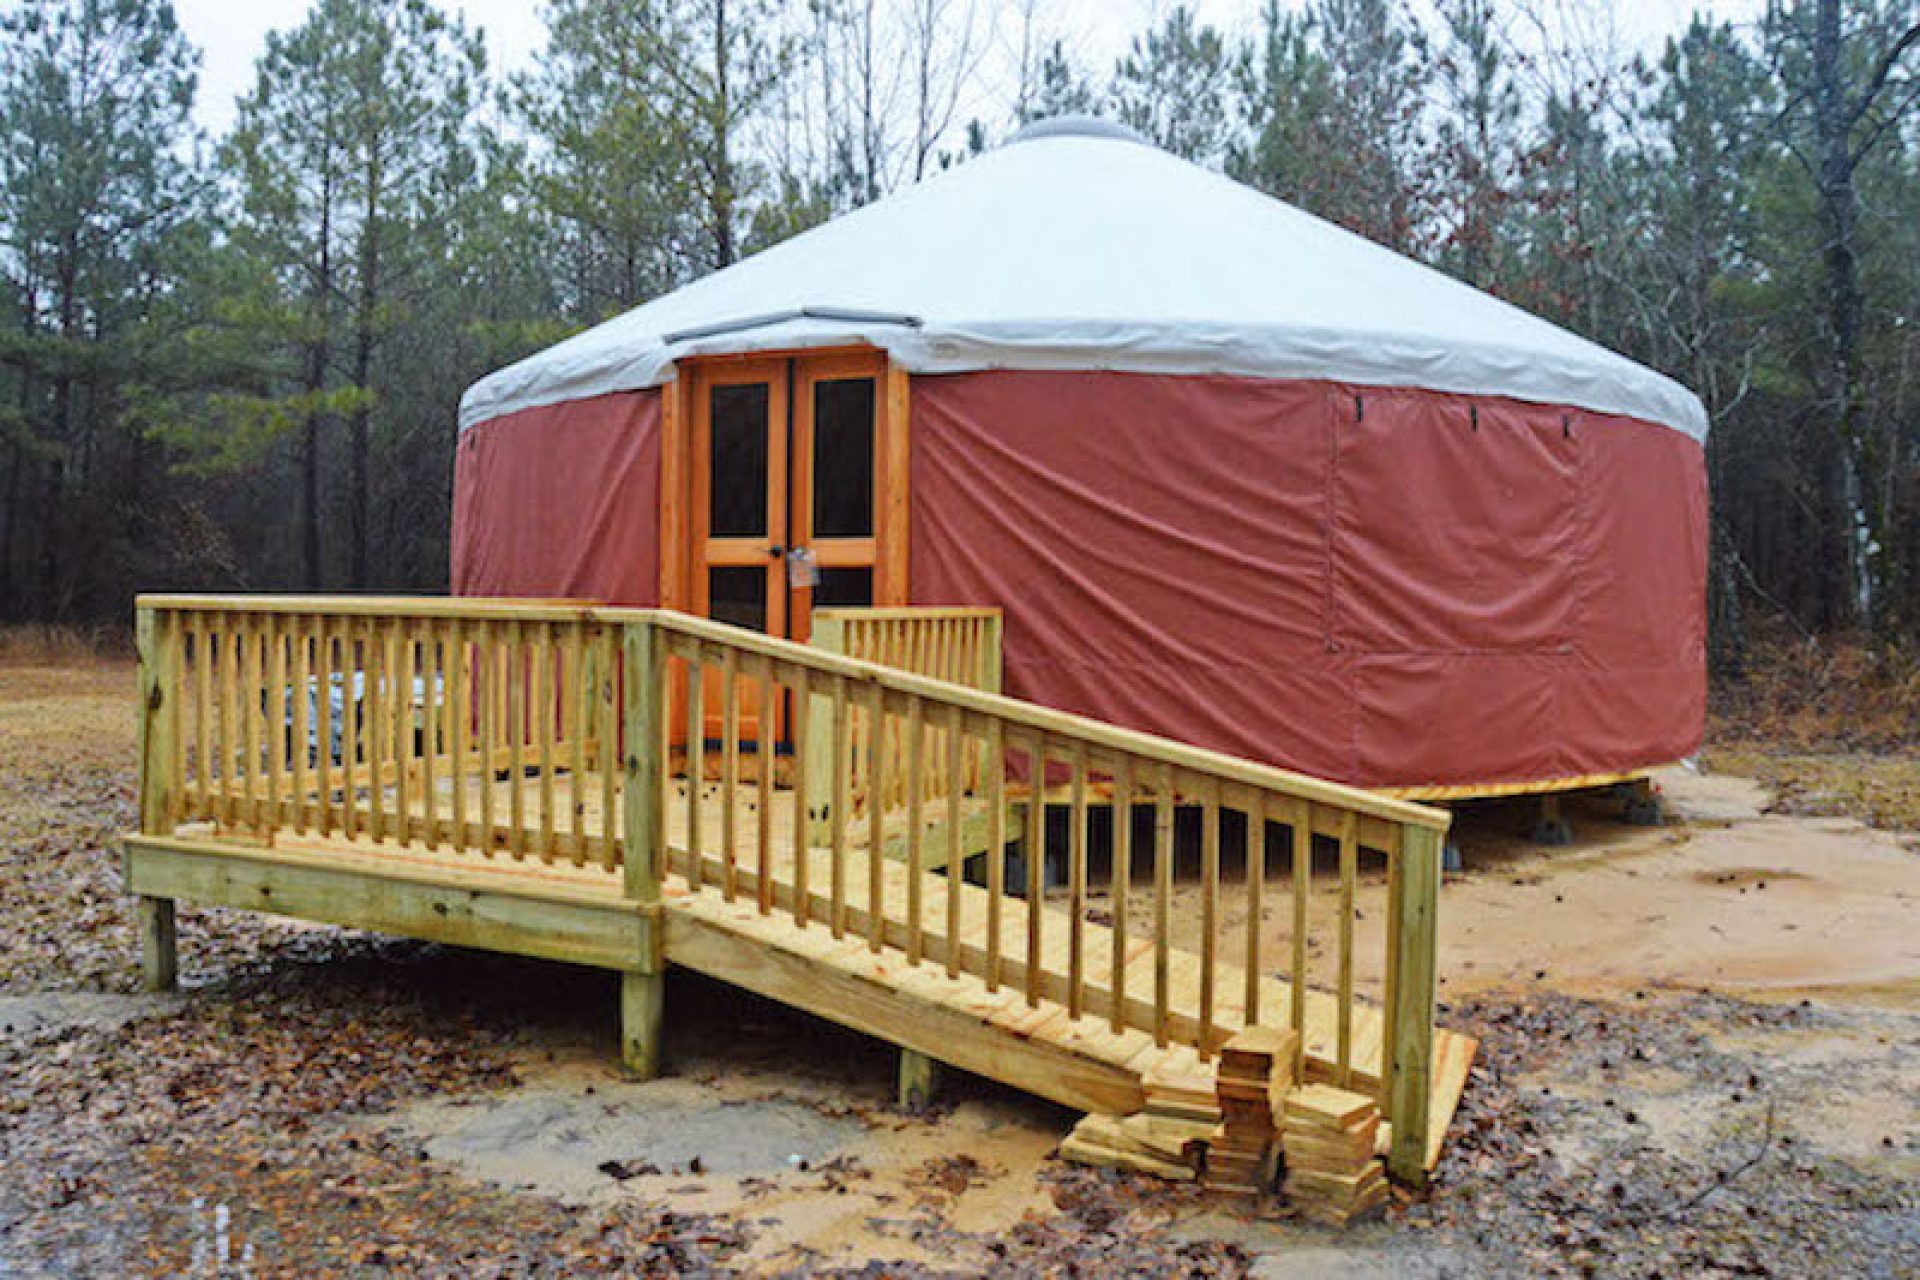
pixel 739 505
pixel 843 458
pixel 844 588
pixel 737 596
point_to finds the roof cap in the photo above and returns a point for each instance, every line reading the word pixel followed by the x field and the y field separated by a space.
pixel 1077 126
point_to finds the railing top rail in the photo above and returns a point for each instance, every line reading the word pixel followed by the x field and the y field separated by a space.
pixel 909 613
pixel 364 606
pixel 1231 769
pixel 1027 715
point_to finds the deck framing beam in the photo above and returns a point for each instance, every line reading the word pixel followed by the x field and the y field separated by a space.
pixel 603 932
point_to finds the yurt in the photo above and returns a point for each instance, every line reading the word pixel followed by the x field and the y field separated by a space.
pixel 1234 475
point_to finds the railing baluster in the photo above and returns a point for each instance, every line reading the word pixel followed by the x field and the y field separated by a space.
pixel 876 817
pixel 1302 829
pixel 274 713
pixel 458 676
pixel 252 683
pixel 996 845
pixel 608 710
pixel 540 706
pixel 203 716
pixel 696 763
pixel 232 739
pixel 445 668
pixel 916 754
pixel 1122 874
pixel 580 693
pixel 1077 884
pixel 302 693
pixel 1349 861
pixel 1256 836
pixel 1162 905
pixel 487 668
pixel 173 624
pixel 353 688
pixel 801 700
pixel 842 800
pixel 376 727
pixel 1209 789
pixel 730 771
pixel 1036 850
pixel 519 671
pixel 956 851
pixel 404 752
pixel 766 749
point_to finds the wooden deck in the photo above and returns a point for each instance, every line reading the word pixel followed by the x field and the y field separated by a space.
pixel 545 778
pixel 828 965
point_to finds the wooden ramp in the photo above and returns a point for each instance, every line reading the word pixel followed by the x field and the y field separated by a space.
pixel 1033 1044
pixel 542 778
pixel 1019 1030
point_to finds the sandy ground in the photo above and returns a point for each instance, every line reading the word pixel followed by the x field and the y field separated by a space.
pixel 1699 1047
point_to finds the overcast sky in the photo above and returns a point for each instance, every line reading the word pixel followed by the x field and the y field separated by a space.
pixel 231 33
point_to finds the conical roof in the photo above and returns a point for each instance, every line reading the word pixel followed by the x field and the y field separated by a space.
pixel 1078 246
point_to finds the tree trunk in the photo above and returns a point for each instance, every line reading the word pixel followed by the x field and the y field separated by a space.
pixel 721 205
pixel 1839 207
pixel 54 520
pixel 361 441
pixel 319 355
pixel 10 528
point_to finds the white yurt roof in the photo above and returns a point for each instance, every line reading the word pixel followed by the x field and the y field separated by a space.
pixel 1079 246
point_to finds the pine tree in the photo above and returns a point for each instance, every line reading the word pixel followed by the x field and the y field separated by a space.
pixel 1172 86
pixel 355 116
pixel 96 179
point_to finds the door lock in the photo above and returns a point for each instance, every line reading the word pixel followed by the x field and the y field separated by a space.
pixel 803 570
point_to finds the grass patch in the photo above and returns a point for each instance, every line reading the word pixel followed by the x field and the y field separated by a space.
pixel 42 644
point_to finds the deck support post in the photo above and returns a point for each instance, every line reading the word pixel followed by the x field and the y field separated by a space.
pixel 643 1007
pixel 159 944
pixel 1410 1065
pixel 643 839
pixel 1640 803
pixel 158 643
pixel 1551 827
pixel 919 1081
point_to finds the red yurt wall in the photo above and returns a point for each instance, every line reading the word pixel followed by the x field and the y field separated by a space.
pixel 1387 587
pixel 562 501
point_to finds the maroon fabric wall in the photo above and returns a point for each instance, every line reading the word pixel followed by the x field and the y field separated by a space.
pixel 562 500
pixel 1386 587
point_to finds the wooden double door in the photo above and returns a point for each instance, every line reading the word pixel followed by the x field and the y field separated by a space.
pixel 788 495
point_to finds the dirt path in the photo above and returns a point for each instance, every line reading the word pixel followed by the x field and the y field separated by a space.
pixel 1684 1072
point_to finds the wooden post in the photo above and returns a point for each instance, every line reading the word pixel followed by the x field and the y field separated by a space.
pixel 1551 827
pixel 919 1081
pixel 643 1009
pixel 1640 803
pixel 643 825
pixel 159 947
pixel 829 635
pixel 1410 1081
pixel 158 641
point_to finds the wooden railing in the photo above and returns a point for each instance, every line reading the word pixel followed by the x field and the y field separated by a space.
pixel 540 731
pixel 958 644
pixel 430 722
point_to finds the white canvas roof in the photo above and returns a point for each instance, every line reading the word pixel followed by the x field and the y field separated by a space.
pixel 1078 246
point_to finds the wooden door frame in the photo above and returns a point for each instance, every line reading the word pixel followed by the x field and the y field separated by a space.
pixel 760 552
pixel 680 468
